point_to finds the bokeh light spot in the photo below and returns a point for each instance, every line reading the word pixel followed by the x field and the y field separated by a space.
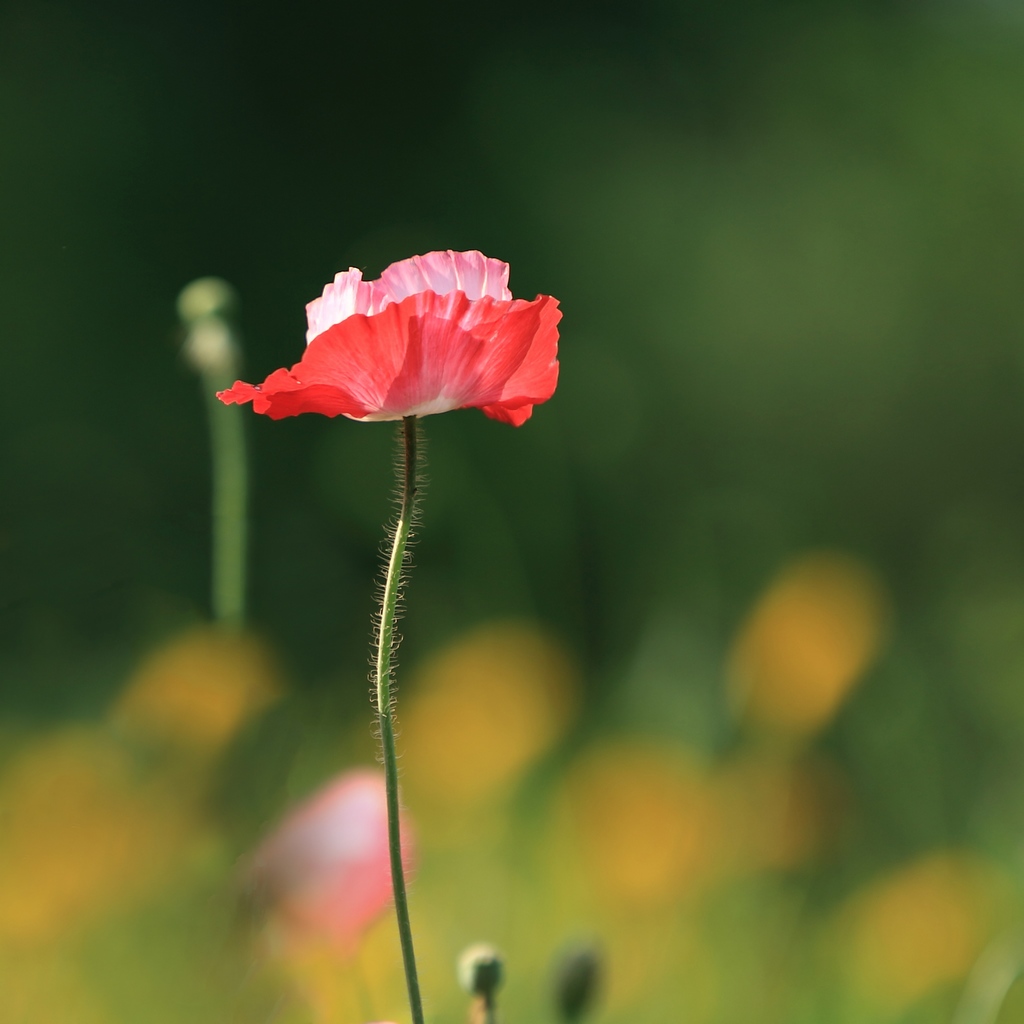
pixel 198 689
pixel 483 710
pixel 919 927
pixel 645 819
pixel 807 642
pixel 82 835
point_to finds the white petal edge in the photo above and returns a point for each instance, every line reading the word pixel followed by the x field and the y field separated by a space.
pixel 442 272
pixel 347 294
pixel 470 272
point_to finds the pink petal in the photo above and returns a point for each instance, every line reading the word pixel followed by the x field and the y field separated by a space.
pixel 443 272
pixel 346 295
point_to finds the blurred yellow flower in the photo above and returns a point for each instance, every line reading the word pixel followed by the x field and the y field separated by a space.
pixel 807 642
pixel 645 821
pixel 82 835
pixel 198 689
pixel 483 710
pixel 918 928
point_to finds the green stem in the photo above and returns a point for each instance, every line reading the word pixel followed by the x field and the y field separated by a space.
pixel 230 491
pixel 386 642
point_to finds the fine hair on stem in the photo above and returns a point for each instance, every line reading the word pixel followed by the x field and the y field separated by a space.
pixel 409 476
pixel 386 643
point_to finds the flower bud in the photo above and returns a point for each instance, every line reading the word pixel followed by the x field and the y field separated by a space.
pixel 210 348
pixel 577 980
pixel 206 308
pixel 206 297
pixel 480 970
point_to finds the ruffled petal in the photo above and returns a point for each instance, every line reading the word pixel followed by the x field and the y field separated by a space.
pixel 464 354
pixel 239 393
pixel 346 295
pixel 285 394
pixel 516 417
pixel 443 272
pixel 536 377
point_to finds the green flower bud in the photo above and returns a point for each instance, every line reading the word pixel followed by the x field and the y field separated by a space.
pixel 480 970
pixel 577 981
pixel 206 297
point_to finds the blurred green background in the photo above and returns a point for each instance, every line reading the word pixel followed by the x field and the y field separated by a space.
pixel 720 658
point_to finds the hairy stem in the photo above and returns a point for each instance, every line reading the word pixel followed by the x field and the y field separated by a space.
pixel 386 643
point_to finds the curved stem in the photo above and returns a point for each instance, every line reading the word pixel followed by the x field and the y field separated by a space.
pixel 386 643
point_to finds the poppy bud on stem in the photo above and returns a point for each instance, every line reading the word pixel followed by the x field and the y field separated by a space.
pixel 481 971
pixel 577 981
pixel 386 643
pixel 207 308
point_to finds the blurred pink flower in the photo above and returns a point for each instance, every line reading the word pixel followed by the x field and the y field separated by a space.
pixel 324 872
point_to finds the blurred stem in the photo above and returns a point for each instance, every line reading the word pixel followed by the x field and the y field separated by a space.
pixel 998 967
pixel 230 495
pixel 207 307
pixel 482 1010
pixel 386 644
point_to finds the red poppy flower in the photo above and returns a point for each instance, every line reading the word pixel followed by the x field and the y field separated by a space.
pixel 435 333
